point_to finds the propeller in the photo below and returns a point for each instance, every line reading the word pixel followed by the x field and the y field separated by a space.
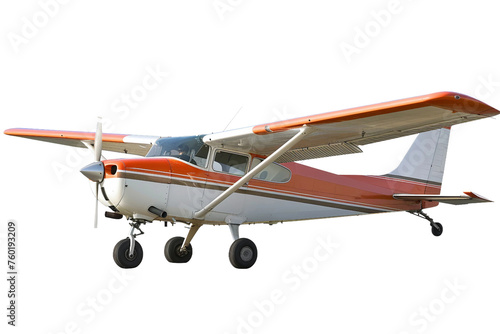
pixel 98 153
pixel 95 171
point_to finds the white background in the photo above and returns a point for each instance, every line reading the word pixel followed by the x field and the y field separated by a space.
pixel 274 60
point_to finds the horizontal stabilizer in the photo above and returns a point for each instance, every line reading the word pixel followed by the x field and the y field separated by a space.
pixel 468 198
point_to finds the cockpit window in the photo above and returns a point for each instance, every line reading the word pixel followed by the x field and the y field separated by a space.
pixel 201 157
pixel 190 149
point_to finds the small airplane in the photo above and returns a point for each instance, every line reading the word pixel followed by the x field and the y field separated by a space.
pixel 250 175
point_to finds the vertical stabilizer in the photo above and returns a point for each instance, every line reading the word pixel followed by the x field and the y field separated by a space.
pixel 425 160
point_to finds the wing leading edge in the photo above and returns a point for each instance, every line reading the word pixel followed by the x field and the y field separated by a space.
pixel 340 132
pixel 131 144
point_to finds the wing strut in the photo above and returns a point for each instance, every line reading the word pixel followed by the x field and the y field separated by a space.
pixel 303 132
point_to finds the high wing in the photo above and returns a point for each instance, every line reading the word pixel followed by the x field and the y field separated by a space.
pixel 340 132
pixel 132 144
pixel 329 134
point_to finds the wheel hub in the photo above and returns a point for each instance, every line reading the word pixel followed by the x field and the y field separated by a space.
pixel 246 253
pixel 181 251
pixel 127 255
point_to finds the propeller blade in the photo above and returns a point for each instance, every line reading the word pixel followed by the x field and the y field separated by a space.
pixel 98 154
pixel 98 140
pixel 96 204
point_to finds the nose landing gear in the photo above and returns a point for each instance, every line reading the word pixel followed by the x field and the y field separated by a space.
pixel 128 252
pixel 122 256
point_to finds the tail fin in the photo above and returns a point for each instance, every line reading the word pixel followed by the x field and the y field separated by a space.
pixel 424 162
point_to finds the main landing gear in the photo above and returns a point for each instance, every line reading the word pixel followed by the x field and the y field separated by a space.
pixel 436 228
pixel 128 252
pixel 243 252
pixel 180 250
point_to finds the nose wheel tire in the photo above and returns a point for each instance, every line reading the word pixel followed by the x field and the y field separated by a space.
pixel 243 253
pixel 122 257
pixel 174 252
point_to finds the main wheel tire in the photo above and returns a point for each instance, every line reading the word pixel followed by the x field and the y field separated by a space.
pixel 437 229
pixel 243 253
pixel 121 254
pixel 173 253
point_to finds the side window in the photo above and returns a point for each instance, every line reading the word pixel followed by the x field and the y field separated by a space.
pixel 272 173
pixel 230 163
pixel 200 158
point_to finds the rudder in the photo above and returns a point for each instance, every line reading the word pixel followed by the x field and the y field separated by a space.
pixel 425 160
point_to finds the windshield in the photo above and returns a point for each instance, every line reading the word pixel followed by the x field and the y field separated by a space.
pixel 190 149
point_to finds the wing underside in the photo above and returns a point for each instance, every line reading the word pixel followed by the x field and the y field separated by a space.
pixel 341 132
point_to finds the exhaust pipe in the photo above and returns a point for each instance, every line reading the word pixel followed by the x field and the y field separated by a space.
pixel 158 212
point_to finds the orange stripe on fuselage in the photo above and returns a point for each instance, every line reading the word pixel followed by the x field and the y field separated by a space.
pixel 306 182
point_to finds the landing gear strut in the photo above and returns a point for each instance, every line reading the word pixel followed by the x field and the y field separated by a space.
pixel 436 228
pixel 128 252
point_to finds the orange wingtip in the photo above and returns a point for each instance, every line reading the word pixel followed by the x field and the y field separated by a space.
pixel 476 196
